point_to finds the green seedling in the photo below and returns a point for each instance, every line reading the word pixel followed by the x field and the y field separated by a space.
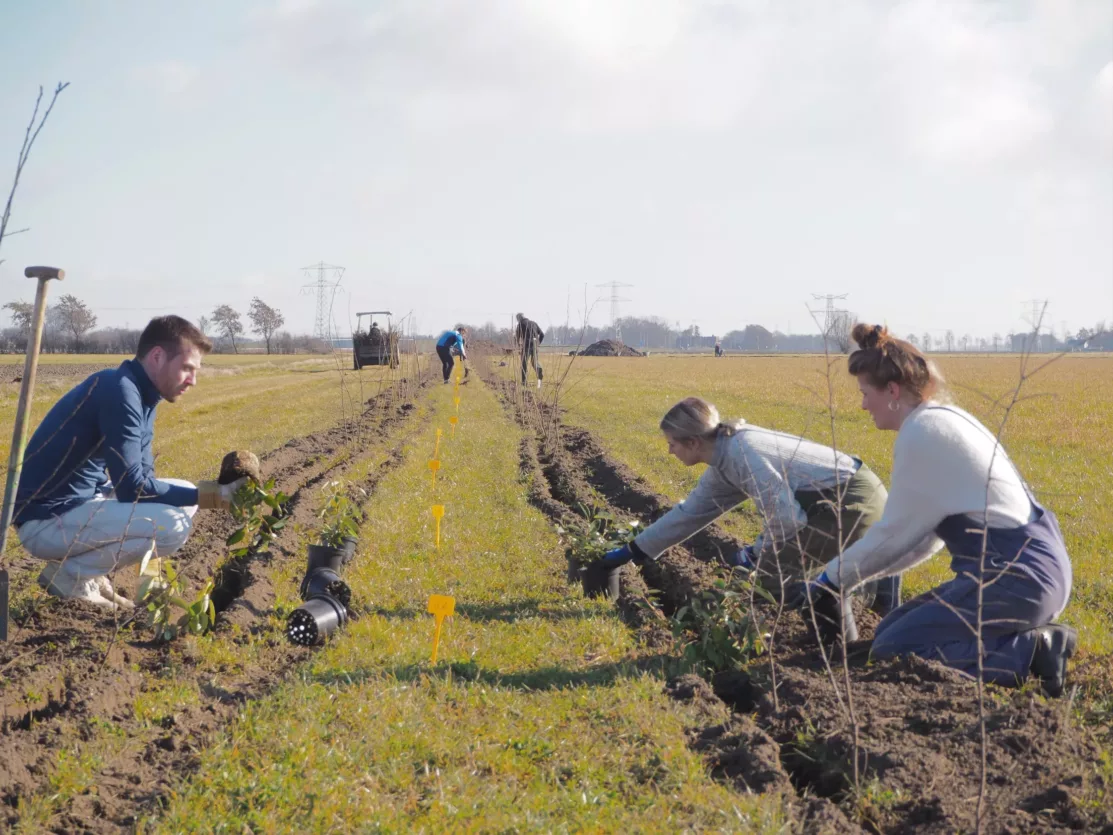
pixel 716 630
pixel 256 530
pixel 164 592
pixel 604 532
pixel 339 514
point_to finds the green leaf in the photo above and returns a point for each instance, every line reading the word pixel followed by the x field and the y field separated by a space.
pixel 237 536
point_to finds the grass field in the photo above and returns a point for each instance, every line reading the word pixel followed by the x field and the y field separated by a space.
pixel 546 711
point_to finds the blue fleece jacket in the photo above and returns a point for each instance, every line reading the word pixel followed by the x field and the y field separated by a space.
pixel 96 439
pixel 451 339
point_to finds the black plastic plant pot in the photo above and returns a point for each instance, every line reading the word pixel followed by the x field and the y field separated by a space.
pixel 315 620
pixel 324 556
pixel 325 581
pixel 600 581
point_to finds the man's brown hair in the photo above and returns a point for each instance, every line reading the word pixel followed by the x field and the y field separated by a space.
pixel 172 334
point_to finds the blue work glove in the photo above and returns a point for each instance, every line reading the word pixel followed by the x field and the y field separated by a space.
pixel 797 594
pixel 620 556
pixel 745 558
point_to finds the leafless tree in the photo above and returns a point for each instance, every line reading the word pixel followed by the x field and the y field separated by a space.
pixel 265 320
pixel 29 138
pixel 842 324
pixel 227 322
pixel 75 317
pixel 21 314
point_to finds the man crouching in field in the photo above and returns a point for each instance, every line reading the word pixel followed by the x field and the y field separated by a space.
pixel 88 500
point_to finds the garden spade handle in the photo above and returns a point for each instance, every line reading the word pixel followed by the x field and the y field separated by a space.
pixel 19 431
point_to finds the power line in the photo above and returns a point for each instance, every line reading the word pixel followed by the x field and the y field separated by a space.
pixel 1038 314
pixel 830 312
pixel 614 299
pixel 325 287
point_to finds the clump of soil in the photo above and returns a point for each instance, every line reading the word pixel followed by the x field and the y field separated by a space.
pixel 239 464
pixel 609 348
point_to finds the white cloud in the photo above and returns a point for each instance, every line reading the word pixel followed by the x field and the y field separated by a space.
pixel 955 81
pixel 170 78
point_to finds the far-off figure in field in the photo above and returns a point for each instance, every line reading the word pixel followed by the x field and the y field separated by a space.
pixel 451 343
pixel 527 336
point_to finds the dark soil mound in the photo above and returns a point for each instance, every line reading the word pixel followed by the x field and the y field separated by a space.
pixel 609 348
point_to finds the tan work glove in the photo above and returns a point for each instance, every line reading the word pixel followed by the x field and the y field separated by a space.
pixel 212 495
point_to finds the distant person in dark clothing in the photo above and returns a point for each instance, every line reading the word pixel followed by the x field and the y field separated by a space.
pixel 718 350
pixel 527 336
pixel 449 343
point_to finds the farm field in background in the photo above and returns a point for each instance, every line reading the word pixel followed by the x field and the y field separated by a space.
pixel 546 711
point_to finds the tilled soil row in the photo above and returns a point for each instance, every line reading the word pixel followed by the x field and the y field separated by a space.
pixel 918 746
pixel 68 671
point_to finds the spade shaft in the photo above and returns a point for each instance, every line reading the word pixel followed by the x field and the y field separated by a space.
pixel 19 431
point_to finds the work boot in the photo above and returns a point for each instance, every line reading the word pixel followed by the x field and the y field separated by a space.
pixel 64 585
pixel 1055 645
pixel 104 586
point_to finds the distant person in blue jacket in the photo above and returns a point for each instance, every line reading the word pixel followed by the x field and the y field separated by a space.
pixel 449 343
pixel 88 500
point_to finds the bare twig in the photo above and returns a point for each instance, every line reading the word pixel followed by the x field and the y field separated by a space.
pixel 29 138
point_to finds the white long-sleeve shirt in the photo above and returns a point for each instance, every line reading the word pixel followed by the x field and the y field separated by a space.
pixel 759 464
pixel 941 460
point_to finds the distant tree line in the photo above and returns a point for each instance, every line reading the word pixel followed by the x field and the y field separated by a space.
pixel 70 326
pixel 655 333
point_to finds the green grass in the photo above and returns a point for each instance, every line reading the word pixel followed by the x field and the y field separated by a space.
pixel 1059 438
pixel 540 715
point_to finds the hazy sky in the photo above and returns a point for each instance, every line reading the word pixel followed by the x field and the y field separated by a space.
pixel 941 162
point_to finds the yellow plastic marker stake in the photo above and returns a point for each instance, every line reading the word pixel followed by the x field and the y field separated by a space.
pixel 457 399
pixel 438 514
pixel 453 420
pixel 434 465
pixel 441 606
pixel 437 449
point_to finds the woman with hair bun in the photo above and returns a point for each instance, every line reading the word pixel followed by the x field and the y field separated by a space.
pixel 796 485
pixel 953 485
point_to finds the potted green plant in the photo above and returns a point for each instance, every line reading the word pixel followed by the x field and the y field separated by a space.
pixel 601 533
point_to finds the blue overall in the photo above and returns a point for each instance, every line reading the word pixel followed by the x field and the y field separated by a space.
pixel 1027 583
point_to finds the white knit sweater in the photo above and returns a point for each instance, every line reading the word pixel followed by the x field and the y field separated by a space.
pixel 943 460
